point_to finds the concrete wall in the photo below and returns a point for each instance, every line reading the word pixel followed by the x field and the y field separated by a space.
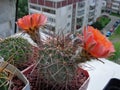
pixel 7 17
pixel 98 9
pixel 64 19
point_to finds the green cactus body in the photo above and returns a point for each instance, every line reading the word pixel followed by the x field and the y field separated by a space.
pixel 17 49
pixel 58 68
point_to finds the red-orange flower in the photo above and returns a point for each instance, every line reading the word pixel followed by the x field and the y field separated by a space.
pixel 32 22
pixel 96 43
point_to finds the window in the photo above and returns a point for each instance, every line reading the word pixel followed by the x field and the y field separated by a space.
pixel 49 11
pixel 79 13
pixel 116 2
pixel 31 12
pixel 79 22
pixel 35 7
pixel 51 28
pixel 69 16
pixel 91 14
pixel 90 19
pixel 81 4
pixel 69 7
pixel 68 24
pixel 114 6
pixel 50 19
pixel 92 7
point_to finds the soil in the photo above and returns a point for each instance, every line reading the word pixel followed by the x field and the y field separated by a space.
pixel 17 84
pixel 33 78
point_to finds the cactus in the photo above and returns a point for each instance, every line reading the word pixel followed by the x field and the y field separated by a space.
pixel 17 48
pixel 58 69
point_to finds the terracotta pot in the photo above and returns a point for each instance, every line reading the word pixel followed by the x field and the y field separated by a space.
pixel 80 81
pixel 86 82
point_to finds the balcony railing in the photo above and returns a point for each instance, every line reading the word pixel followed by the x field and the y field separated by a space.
pixel 115 8
pixel 81 13
pixel 93 10
pixel 81 5
pixel 92 7
pixel 92 4
pixel 115 4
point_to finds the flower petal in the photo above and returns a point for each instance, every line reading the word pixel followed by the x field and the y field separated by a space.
pixel 21 24
pixel 31 22
pixel 42 20
pixel 96 43
pixel 38 20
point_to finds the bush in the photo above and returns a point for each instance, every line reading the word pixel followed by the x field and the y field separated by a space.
pixel 97 25
pixel 101 22
pixel 115 14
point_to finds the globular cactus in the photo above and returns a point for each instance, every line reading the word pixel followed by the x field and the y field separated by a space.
pixel 58 69
pixel 16 50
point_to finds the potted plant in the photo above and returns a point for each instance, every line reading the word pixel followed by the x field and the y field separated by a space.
pixel 18 51
pixel 30 24
pixel 57 68
pixel 11 78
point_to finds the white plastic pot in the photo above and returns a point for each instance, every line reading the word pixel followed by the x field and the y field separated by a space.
pixel 20 75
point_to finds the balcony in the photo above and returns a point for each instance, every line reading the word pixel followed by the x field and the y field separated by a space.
pixel 90 20
pixel 115 4
pixel 92 4
pixel 78 27
pixel 80 13
pixel 91 15
pixel 37 11
pixel 51 21
pixel 92 10
pixel 102 73
pixel 81 5
pixel 115 8
pixel 117 1
pixel 34 10
pixel 79 22
pixel 90 23
pixel 55 0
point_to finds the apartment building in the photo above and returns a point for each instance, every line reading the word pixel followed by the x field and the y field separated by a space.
pixel 116 6
pixel 112 6
pixel 94 9
pixel 67 15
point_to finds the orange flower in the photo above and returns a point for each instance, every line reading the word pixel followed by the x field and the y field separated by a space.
pixel 96 43
pixel 32 22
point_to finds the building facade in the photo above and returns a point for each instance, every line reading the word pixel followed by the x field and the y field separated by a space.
pixel 116 6
pixel 67 15
pixel 112 6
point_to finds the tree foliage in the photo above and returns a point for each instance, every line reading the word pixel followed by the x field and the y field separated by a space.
pixel 97 25
pixel 22 8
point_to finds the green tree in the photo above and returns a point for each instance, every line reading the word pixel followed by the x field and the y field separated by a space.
pixel 22 8
pixel 97 25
